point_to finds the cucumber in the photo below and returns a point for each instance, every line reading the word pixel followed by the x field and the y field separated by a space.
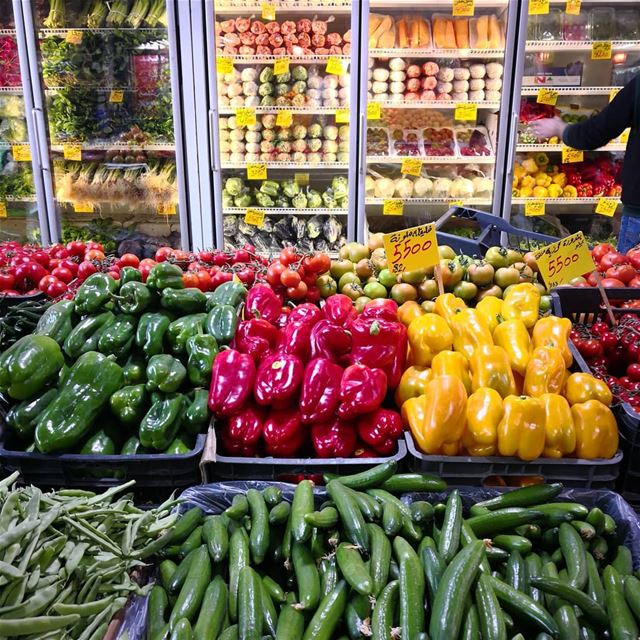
pixel 557 512
pixel 513 543
pixel 272 496
pixel 550 539
pixel 406 482
pixel 586 633
pixel 353 568
pixel 609 525
pixel 239 557
pixel 490 615
pixel 274 590
pixel 595 588
pixel 269 614
pixel 533 569
pixel 239 508
pixel 328 569
pixel 599 548
pixel 180 574
pixel 167 569
pixel 250 616
pixel 468 537
pixel 595 518
pixel 471 628
pixel 383 618
pixel 350 515
pixel 524 497
pixel 182 630
pixel 212 612
pixel 307 576
pixel 529 531
pixel 409 529
pixel 502 520
pixel 632 594
pixel 585 530
pixel 156 617
pixel 391 518
pixel 412 588
pixel 191 543
pixel 357 615
pixel 328 518
pixel 302 505
pixel 230 633
pixel 215 534
pixel 622 623
pixel 574 554
pixel 449 542
pixel 380 558
pixel 370 508
pixel 515 574
pixel 187 523
pixel 259 535
pixel 328 615
pixel 421 512
pixel 280 513
pixel 192 593
pixel 622 561
pixel 373 477
pixel 290 623
pixel 433 568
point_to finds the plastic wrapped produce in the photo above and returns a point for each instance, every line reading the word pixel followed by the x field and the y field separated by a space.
pixel 380 74
pixel 494 70
pixel 462 73
pixel 478 70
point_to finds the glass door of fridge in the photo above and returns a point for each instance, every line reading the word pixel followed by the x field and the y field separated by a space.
pixel 107 92
pixel 435 128
pixel 283 96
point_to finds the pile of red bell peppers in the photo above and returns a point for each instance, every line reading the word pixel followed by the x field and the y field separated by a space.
pixel 309 380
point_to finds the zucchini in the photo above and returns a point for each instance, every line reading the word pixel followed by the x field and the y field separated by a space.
pixel 421 512
pixel 187 523
pixel 409 529
pixel 191 543
pixel 373 477
pixel 239 557
pixel 515 574
pixel 471 628
pixel 513 543
pixel 327 518
pixel 239 507
pixel 180 574
pixel 280 513
pixel 272 496
pixel 599 548
pixel 269 614
pixel 215 534
pixel 391 518
pixel 259 534
pixel 632 594
pixel 357 615
pixel 167 569
pixel 433 568
pixel 622 561
pixel 595 588
pixel 328 569
pixel 182 630
pixel 156 617
pixel 290 623
pixel 274 590
pixel 533 569
pixel 584 529
pixel 595 518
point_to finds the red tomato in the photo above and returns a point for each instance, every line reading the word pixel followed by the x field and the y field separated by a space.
pixel 205 256
pixel 190 279
pixel 600 250
pixel 247 276
pixel 634 282
pixel 85 269
pixel 148 262
pixel 288 256
pixel 290 278
pixel 194 266
pixel 129 260
pixel 220 258
pixel 46 282
pixel 298 292
pixel 241 256
pixel 219 278
pixel 144 271
pixel 319 262
pixel 62 274
pixel 163 253
pixel 76 248
pixel 36 272
pixel 591 279
pixel 274 271
pixel 68 264
pixel 114 274
pixel 204 280
pixel 58 251
pixel 624 272
pixel 634 257
pixel 7 280
pixel 94 254
pixel 94 246
pixel 611 259
pixel 313 294
pixel 612 283
pixel 41 256
pixel 181 256
pixel 56 289
pixel 590 348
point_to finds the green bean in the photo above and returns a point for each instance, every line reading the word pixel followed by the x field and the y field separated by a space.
pixel 36 604
pixel 84 610
pixel 9 480
pixel 28 626
pixel 8 509
pixel 10 571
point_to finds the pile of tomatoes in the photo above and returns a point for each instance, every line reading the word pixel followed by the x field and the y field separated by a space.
pixel 616 269
pixel 294 275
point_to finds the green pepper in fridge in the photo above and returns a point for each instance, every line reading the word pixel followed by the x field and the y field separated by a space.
pixel 129 404
pixel 85 335
pixel 190 300
pixel 152 328
pixel 182 329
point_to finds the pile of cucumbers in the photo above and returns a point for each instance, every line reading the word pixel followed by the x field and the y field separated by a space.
pixel 359 562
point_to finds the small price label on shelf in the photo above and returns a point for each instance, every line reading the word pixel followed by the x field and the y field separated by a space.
pixel 466 111
pixel 538 7
pixel 573 7
pixel 224 65
pixel 166 209
pixel 245 116
pixel 547 96
pixel 562 261
pixel 284 118
pixel 74 36
pixel 607 206
pixel 116 95
pixel 254 217
pixel 624 136
pixel 456 203
pixel 613 93
pixel 21 152
pixel 411 167
pixel 571 155
pixel 83 207
pixel 334 66
pixel 413 248
pixel 3 209
pixel 463 8
pixel 268 11
pixel 301 178
pixel 72 151
pixel 534 208
pixel 342 116
pixel 281 65
pixel 392 208
pixel 373 111
pixel 257 171
pixel 601 51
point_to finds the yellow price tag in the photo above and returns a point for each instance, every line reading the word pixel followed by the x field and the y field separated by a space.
pixel 534 208
pixel 607 206
pixel 72 151
pixel 281 65
pixel 224 65
pixel 547 96
pixel 624 136
pixel 392 208
pixel 301 178
pixel 284 118
pixel 83 207
pixel 571 155
pixel 3 209
pixel 413 248
pixel 463 8
pixel 342 116
pixel 254 217
pixel 21 152
pixel 268 11
pixel 538 7
pixel 257 171
pixel 562 261
pixel 116 95
pixel 456 203
pixel 374 112
pixel 166 209
pixel 573 7
pixel 74 37
pixel 613 93
pixel 466 111
pixel 334 66
pixel 245 116
pixel 601 51
pixel 411 167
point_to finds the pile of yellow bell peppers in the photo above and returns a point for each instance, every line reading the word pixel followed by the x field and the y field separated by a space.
pixel 494 380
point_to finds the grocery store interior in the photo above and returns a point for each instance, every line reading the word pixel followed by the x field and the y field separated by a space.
pixel 319 319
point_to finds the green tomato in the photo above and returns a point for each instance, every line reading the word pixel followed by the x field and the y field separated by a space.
pixel 340 267
pixel 494 291
pixel 429 306
pixel 327 285
pixel 375 290
pixel 545 303
pixel 514 256
pixel 446 252
pixel 354 251
pixel 465 290
pixel 480 273
pixel 379 259
pixel 413 277
pixel 506 276
pixel 497 257
pixel 451 273
pixel 347 278
pixel 360 303
pixel 428 289
pixel 402 292
pixel 353 290
pixel 387 278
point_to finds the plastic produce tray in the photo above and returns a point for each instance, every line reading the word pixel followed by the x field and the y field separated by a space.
pixel 462 217
pixel 11 301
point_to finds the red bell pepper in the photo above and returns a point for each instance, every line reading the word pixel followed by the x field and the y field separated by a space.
pixel 282 319
pixel 240 434
pixel 382 308
pixel 329 340
pixel 380 430
pixel 320 392
pixel 333 439
pixel 364 451
pixel 256 337
pixel 232 377
pixel 278 378
pixel 294 339
pixel 262 302
pixel 306 313
pixel 362 390
pixel 339 309
pixel 283 433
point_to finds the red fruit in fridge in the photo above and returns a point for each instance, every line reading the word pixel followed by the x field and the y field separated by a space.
pixel 129 260
pixel 298 292
pixel 274 271
pixel 591 278
pixel 623 272
pixel 288 256
pixel 612 283
pixel 46 282
pixel 290 278
pixel 608 340
pixel 634 258
pixel 599 327
pixel 56 289
pixel 163 253
pixel 94 246
pixel 611 259
pixel 67 263
pixel 590 348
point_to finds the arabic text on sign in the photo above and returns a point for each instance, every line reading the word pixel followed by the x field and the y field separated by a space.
pixel 412 248
pixel 72 152
pixel 284 118
pixel 268 11
pixel 572 155
pixel 257 171
pixel 224 65
pixel 538 7
pixel 301 178
pixel 342 116
pixel 547 96
pixel 411 167
pixel 573 7
pixel 83 207
pixel 116 95
pixel 280 66
pixel 3 209
pixel 607 206
pixel 601 51
pixel 74 37
pixel 245 116
pixel 167 209
pixel 334 66
pixel 466 111
pixel 534 208
pixel 254 217
pixel 392 207
pixel 562 261
pixel 21 152
pixel 373 111
pixel 463 8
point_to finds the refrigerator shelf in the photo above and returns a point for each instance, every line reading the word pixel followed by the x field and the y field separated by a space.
pixel 438 53
pixel 288 165
pixel 64 31
pixel 17 89
pixel 7 32
pixel 231 111
pixel 19 199
pixel 570 91
pixel 419 201
pixel 436 104
pixel 310 59
pixel 432 159
pixel 571 201
pixel 279 211
pixel 579 45
pixel 117 146
pixel 432 4
pixel 613 146
pixel 237 8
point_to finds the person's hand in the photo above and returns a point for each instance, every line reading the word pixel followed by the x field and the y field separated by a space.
pixel 548 127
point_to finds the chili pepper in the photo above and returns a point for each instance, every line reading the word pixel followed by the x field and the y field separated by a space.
pixel 256 337
pixel 554 332
pixel 330 341
pixel 362 390
pixel 23 417
pixel 469 332
pixel 283 433
pixel 305 313
pixel 57 321
pixel 513 337
pixel 222 322
pixel 197 413
pixel 28 365
pixel 320 390
pixel 135 370
pixel 581 387
pixel 228 293
pixel 94 293
pixel 339 310
pixel 134 297
pixel 381 430
pixel 165 275
pixel 522 302
pixel 240 434
pixel 278 378
pixel 130 404
pixel 294 338
pixel 428 335
pixel 546 372
pixel 263 303
pixel 521 431
pixel 190 300
pixel 202 350
pixel 118 336
pixel 182 329
pixel 129 274
pixel 93 379
pixel 161 423
pixel 490 368
pixel 447 305
pixel 151 330
pixel 412 383
pixel 382 309
pixel 333 439
pixel 232 379
pixel 560 432
pixel 484 412
pixel 596 430
pixel 451 363
pixel 85 335
pixel 165 373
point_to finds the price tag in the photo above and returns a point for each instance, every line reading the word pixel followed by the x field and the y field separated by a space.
pixel 562 261
pixel 573 7
pixel 334 66
pixel 166 209
pixel 116 95
pixel 392 208
pixel 411 167
pixel 456 203
pixel 466 111
pixel 3 209
pixel 83 207
pixel 224 65
pixel 254 217
pixel 301 178
pixel 342 116
pixel 72 151
pixel 373 111
pixel 534 208
pixel 284 118
pixel 281 65
pixel 413 248
pixel 613 93
pixel 547 96
pixel 571 155
pixel 538 7
pixel 257 171
pixel 463 8
pixel 21 152
pixel 624 136
pixel 245 116
pixel 268 11
pixel 601 51
pixel 74 37
pixel 607 206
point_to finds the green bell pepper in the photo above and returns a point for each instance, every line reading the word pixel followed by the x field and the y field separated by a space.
pixel 150 333
pixel 85 335
pixel 222 322
pixel 159 427
pixel 233 293
pixel 93 379
pixel 197 414
pixel 57 321
pixel 181 445
pixel 165 275
pixel 210 300
pixel 132 447
pixel 28 365
pixel 129 274
pixel 182 329
pixel 134 297
pixel 23 417
pixel 99 444
pixel 135 370
pixel 190 300
pixel 118 336
pixel 94 293
pixel 202 350
pixel 165 373
pixel 129 404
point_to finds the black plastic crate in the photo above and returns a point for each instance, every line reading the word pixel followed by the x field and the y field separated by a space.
pixel 629 484
pixel 499 232
pixel 11 301
pixel 461 218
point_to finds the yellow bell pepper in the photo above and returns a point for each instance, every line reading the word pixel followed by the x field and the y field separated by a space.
pixel 560 179
pixel 438 417
pixel 452 363
pixel 522 302
pixel 409 311
pixel 490 310
pixel 555 191
pixel 546 372
pixel 490 368
pixel 412 384
pixel 560 437
pixel 530 165
pixel 513 337
pixel 569 191
pixel 428 335
pixel 469 332
pixel 521 431
pixel 596 430
pixel 447 305
pixel 484 412
pixel 552 331
pixel 581 387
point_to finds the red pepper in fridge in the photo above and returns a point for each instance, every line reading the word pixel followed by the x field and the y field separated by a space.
pixel 339 309
pixel 263 303
pixel 232 377
pixel 333 439
pixel 329 340
pixel 240 434
pixel 278 378
pixel 294 338
pixel 256 337
pixel 380 430
pixel 306 313
pixel 382 308
pixel 283 433
pixel 362 390
pixel 320 393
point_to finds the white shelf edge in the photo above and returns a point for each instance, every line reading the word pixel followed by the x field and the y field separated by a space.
pixel 311 59
pixel 432 159
pixel 579 45
pixel 280 211
pixel 439 53
pixel 237 8
pixel 435 104
pixel 231 111
pixel 569 91
pixel 418 201
pixel 288 165
pixel 116 146
pixel 523 148
pixel 550 201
